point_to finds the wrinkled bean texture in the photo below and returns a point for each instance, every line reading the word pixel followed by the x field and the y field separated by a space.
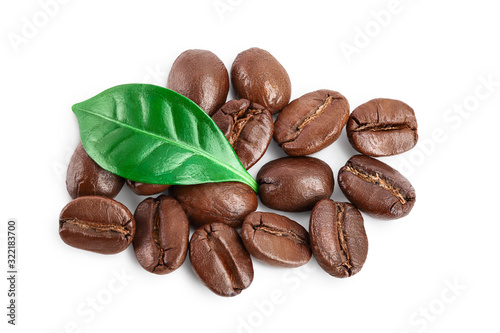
pixel 311 122
pixel 227 202
pixel 257 76
pixel 98 224
pixel 145 189
pixel 382 127
pixel 86 177
pixel 294 184
pixel 338 238
pixel 248 127
pixel 375 188
pixel 220 260
pixel 162 234
pixel 202 77
pixel 276 239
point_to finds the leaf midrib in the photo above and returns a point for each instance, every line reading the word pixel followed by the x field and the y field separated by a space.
pixel 176 143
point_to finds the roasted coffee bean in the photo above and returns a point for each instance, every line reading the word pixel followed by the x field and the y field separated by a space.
pixel 382 127
pixel 375 188
pixel 257 76
pixel 275 239
pixel 248 128
pixel 162 234
pixel 220 260
pixel 338 238
pixel 202 77
pixel 311 122
pixel 294 184
pixel 98 224
pixel 86 177
pixel 227 202
pixel 145 189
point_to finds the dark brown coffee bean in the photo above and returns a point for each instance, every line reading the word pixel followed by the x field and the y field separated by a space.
pixel 220 260
pixel 338 238
pixel 382 127
pixel 98 224
pixel 375 188
pixel 275 239
pixel 248 128
pixel 311 122
pixel 202 77
pixel 145 189
pixel 162 235
pixel 257 76
pixel 294 184
pixel 227 202
pixel 86 177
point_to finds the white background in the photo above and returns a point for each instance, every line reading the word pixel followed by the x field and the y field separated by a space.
pixel 435 270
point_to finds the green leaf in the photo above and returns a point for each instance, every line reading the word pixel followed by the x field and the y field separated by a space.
pixel 154 135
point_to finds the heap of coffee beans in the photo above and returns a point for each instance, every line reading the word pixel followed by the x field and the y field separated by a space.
pixel 220 255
